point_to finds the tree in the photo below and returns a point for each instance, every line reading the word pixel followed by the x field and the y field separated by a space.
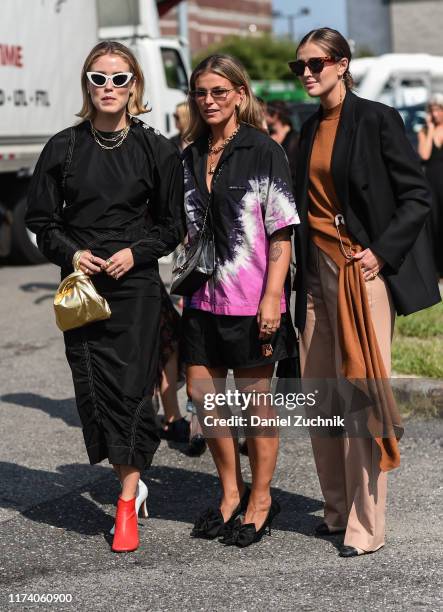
pixel 264 57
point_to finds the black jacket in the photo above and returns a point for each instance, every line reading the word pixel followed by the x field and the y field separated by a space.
pixel 385 200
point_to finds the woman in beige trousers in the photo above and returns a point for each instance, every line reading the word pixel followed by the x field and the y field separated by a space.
pixel 361 247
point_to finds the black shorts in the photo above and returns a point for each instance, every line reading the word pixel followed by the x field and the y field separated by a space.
pixel 232 341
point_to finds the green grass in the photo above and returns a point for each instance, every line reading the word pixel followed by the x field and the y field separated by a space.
pixel 418 343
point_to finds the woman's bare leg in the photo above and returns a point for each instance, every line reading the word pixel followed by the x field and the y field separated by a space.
pixel 168 389
pixel 129 479
pixel 262 451
pixel 224 450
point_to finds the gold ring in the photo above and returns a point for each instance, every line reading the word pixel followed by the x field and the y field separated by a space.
pixel 374 275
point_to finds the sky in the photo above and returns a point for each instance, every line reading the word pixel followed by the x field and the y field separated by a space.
pixel 329 13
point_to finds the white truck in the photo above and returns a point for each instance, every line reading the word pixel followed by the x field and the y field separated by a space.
pixel 398 79
pixel 43 44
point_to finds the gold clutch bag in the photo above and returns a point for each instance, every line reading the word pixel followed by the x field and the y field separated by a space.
pixel 77 303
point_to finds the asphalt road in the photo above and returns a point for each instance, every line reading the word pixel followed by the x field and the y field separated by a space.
pixel 56 509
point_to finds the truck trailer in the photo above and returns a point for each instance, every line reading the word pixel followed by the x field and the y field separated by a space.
pixel 43 45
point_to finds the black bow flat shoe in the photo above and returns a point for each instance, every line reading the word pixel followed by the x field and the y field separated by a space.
pixel 242 535
pixel 210 524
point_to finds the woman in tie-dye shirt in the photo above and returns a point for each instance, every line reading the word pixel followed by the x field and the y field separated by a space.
pixel 238 319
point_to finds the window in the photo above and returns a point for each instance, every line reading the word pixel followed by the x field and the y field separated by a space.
pixel 175 72
pixel 112 13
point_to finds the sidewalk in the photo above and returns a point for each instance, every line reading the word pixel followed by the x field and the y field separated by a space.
pixel 56 509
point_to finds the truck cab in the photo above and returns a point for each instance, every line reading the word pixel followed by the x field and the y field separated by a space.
pixel 42 49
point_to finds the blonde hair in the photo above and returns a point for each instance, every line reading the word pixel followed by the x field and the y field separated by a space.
pixel 229 68
pixel 182 110
pixel 135 104
pixel 435 100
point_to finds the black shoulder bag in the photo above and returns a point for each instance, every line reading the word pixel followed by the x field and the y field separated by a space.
pixel 194 264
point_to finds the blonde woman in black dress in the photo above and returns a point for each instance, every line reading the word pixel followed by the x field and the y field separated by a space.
pixel 120 170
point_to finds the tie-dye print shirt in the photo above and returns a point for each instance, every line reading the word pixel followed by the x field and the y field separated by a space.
pixel 252 199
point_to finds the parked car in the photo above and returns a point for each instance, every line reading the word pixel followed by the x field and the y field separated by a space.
pixel 414 118
pixel 300 112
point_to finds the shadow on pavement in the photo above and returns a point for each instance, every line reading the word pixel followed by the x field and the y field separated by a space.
pixel 175 494
pixel 64 409
pixel 38 287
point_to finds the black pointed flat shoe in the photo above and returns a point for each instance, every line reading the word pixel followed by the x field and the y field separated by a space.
pixel 323 530
pixel 211 524
pixel 352 551
pixel 243 535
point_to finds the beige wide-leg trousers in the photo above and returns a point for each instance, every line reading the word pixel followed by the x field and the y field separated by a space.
pixel 353 486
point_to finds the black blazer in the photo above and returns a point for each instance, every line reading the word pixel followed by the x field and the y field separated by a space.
pixel 385 200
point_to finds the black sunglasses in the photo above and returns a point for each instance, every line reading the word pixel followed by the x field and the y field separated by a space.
pixel 315 64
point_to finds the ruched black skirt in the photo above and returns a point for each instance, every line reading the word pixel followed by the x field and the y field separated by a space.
pixel 114 366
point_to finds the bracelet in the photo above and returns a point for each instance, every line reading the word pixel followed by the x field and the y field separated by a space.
pixel 76 259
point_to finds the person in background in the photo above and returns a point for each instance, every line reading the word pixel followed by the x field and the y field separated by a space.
pixel 181 117
pixel 430 149
pixel 278 119
pixel 262 108
pixel 174 427
pixel 171 375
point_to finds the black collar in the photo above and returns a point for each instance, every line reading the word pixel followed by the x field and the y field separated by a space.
pixel 198 151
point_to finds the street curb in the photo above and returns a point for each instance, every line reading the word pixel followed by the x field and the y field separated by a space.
pixel 419 397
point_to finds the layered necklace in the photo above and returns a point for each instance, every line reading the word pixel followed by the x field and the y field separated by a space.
pixel 214 150
pixel 117 139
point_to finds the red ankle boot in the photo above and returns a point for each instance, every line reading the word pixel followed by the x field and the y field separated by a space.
pixel 126 527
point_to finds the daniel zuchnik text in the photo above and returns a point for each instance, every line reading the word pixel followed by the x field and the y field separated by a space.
pixel 293 420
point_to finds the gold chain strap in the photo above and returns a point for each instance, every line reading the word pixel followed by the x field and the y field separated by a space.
pixel 340 220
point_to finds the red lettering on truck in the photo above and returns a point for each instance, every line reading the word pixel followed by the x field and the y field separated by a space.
pixel 11 55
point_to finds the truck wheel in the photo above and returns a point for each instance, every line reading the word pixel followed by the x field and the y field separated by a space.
pixel 24 246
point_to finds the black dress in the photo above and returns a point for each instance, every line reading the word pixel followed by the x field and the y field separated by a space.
pixel 434 174
pixel 105 208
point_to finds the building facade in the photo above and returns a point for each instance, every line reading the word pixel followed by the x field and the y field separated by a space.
pixel 396 26
pixel 417 26
pixel 369 26
pixel 209 21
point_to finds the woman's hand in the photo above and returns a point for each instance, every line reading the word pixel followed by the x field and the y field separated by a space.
pixel 90 264
pixel 120 263
pixel 268 316
pixel 429 122
pixel 370 263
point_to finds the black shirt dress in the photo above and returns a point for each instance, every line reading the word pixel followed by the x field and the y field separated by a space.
pixel 251 199
pixel 131 196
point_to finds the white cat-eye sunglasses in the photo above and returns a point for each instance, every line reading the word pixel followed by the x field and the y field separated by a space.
pixel 98 79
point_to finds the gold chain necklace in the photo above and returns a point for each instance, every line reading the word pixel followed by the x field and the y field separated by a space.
pixel 119 139
pixel 214 150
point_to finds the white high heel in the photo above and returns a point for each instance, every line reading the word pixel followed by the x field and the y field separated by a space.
pixel 140 502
